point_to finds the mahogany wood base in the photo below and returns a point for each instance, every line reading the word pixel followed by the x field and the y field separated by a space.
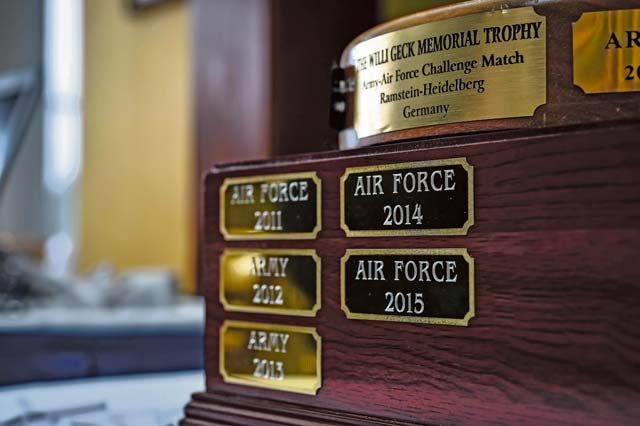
pixel 219 408
pixel 556 335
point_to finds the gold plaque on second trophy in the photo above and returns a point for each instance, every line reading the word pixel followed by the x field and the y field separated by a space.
pixel 606 51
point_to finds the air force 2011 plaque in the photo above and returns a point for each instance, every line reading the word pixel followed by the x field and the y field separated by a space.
pixel 432 286
pixel 420 198
pixel 271 207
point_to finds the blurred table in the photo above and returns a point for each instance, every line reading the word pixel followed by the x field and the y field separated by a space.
pixel 64 343
pixel 139 400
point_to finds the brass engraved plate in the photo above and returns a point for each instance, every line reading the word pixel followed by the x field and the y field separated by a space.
pixel 606 51
pixel 430 286
pixel 271 356
pixel 271 207
pixel 419 198
pixel 475 67
pixel 270 281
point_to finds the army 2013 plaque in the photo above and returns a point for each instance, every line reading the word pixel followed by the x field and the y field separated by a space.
pixel 285 206
pixel 432 286
pixel 271 281
pixel 271 356
pixel 421 198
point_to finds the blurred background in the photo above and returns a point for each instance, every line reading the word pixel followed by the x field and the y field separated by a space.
pixel 110 112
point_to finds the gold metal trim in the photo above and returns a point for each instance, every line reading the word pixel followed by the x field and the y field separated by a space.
pixel 462 161
pixel 397 318
pixel 270 235
pixel 264 310
pixel 274 327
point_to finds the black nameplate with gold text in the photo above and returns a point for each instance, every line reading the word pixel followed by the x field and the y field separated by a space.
pixel 269 207
pixel 431 286
pixel 420 198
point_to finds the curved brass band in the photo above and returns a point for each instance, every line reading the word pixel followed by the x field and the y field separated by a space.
pixel 413 77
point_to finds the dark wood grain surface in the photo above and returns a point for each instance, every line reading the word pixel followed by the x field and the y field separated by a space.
pixel 261 76
pixel 556 245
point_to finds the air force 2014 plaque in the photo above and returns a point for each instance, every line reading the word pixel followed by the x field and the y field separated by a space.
pixel 272 281
pixel 280 357
pixel 271 207
pixel 421 198
pixel 432 286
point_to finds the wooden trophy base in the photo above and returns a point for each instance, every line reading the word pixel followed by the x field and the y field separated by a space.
pixel 220 408
pixel 556 331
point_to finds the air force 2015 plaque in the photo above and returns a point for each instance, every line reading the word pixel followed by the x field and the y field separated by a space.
pixel 421 198
pixel 270 281
pixel 271 207
pixel 432 286
pixel 272 356
pixel 606 51
pixel 476 67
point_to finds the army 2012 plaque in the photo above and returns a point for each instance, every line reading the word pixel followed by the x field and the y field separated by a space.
pixel 432 286
pixel 420 198
pixel 270 281
pixel 285 206
pixel 271 356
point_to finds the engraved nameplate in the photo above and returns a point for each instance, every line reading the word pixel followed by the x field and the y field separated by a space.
pixel 432 286
pixel 270 281
pixel 606 51
pixel 475 67
pixel 421 198
pixel 271 356
pixel 271 207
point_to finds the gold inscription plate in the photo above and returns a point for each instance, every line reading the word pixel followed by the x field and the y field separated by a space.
pixel 271 356
pixel 606 51
pixel 270 281
pixel 271 207
pixel 476 67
